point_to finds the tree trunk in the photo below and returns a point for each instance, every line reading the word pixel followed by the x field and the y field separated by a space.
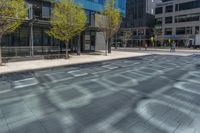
pixel 109 45
pixel 0 52
pixel 106 47
pixel 124 44
pixel 116 42
pixel 67 53
pixel 79 45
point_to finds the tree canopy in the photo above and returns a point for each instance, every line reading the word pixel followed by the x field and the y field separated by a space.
pixel 12 14
pixel 113 18
pixel 67 21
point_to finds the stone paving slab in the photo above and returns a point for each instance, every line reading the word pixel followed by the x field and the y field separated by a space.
pixel 150 94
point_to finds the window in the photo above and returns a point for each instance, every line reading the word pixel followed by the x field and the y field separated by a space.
pixel 30 11
pixel 21 37
pixel 46 10
pixel 92 18
pixel 188 30
pixel 134 32
pixel 37 10
pixel 37 35
pixel 168 31
pixel 169 8
pixel 159 31
pixel 168 20
pixel 159 10
pixel 197 30
pixel 180 31
pixel 121 4
pixel 88 16
pixel 177 7
pixel 187 18
pixel 141 32
pixel 159 21
pixel 101 1
pixel 188 5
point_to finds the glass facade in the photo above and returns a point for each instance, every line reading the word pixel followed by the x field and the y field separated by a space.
pixel 98 5
pixel 168 20
pixel 187 18
pixel 19 43
pixel 158 21
pixel 188 5
pixel 168 31
pixel 169 8
pixel 159 10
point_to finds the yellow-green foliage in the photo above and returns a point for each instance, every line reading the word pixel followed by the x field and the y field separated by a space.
pixel 113 18
pixel 12 14
pixel 67 21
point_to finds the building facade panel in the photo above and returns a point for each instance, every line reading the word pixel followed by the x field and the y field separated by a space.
pixel 185 20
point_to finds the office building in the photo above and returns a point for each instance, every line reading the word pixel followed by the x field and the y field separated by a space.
pixel 31 39
pixel 140 19
pixel 177 20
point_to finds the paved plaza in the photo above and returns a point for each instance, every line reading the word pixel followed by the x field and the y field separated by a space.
pixel 148 94
pixel 11 67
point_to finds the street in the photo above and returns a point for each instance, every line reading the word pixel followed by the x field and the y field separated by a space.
pixel 148 94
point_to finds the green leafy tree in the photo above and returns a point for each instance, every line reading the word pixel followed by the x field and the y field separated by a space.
pixel 68 20
pixel 12 14
pixel 109 23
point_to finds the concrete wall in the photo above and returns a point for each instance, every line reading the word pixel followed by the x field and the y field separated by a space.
pixel 150 6
pixel 100 41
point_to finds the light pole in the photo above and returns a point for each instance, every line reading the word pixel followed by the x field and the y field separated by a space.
pixel 31 39
pixel 30 16
pixel 140 42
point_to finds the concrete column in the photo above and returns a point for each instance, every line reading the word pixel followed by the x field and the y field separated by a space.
pixel 193 30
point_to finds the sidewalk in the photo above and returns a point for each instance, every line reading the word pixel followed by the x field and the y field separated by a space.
pixel 183 50
pixel 74 59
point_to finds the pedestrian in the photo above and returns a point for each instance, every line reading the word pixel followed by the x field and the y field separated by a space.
pixel 170 47
pixel 146 46
pixel 173 47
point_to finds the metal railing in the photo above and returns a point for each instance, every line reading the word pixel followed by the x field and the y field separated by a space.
pixel 26 51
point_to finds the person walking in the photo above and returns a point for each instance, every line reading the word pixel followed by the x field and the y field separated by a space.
pixel 146 46
pixel 173 47
pixel 170 47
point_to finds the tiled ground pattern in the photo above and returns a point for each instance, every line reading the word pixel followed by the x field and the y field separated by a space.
pixel 151 94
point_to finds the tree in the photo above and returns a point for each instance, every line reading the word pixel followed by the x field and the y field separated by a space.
pixel 12 14
pixel 68 20
pixel 126 36
pixel 109 23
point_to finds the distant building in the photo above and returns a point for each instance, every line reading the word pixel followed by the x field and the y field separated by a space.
pixel 177 20
pixel 140 19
